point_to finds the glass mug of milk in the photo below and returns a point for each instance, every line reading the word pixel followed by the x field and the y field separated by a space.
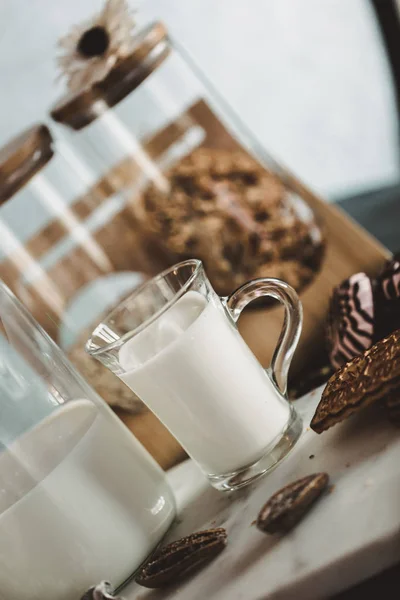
pixel 175 343
pixel 80 499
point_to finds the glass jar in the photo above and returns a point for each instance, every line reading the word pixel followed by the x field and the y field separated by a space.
pixel 67 248
pixel 199 185
pixel 81 500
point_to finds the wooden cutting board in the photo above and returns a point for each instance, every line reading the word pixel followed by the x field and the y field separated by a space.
pixel 349 249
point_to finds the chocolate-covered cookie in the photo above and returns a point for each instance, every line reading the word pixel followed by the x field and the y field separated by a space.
pixel 367 378
pixel 388 298
pixel 173 563
pixel 238 218
pixel 350 328
pixel 389 279
pixel 291 503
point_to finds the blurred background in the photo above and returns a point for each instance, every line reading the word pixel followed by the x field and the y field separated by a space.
pixel 312 79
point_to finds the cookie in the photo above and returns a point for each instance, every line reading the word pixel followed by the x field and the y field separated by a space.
pixel 389 279
pixel 350 328
pixel 238 218
pixel 290 504
pixel 176 561
pixel 365 379
pixel 388 298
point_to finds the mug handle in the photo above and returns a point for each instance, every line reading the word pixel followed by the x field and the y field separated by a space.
pixel 291 329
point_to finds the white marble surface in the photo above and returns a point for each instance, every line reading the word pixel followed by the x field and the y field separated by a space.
pixel 309 77
pixel 351 534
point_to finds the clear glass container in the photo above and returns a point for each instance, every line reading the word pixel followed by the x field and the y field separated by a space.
pixel 80 499
pixel 199 185
pixel 67 247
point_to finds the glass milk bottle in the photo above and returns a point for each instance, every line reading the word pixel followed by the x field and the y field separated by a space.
pixel 80 499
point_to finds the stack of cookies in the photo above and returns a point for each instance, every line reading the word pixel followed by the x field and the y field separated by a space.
pixel 224 208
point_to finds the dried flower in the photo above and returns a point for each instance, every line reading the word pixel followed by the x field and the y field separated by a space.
pixel 91 50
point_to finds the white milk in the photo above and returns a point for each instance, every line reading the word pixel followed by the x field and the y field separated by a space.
pixel 80 501
pixel 194 370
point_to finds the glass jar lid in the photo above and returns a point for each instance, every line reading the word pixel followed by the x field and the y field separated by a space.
pixel 79 109
pixel 22 157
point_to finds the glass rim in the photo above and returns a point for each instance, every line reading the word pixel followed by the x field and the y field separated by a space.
pixel 198 268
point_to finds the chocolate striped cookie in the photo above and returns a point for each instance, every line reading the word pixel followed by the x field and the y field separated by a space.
pixel 350 328
pixel 372 376
pixel 388 298
pixel 389 279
